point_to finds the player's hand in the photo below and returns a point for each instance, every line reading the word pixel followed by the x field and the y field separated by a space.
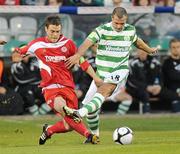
pixel 16 57
pixel 98 81
pixel 71 61
pixel 154 51
pixel 156 89
pixel 149 88
pixel 2 42
pixel 2 90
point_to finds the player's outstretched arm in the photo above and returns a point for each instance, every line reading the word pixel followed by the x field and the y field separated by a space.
pixel 81 51
pixel 19 53
pixel 89 70
pixel 142 45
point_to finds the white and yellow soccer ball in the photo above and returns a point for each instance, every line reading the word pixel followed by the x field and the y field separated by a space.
pixel 123 135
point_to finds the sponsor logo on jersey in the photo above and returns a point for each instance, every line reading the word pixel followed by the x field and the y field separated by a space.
pixel 116 49
pixel 55 58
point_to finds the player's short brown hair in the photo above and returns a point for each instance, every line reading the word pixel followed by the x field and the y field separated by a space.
pixel 120 12
pixel 174 40
pixel 53 20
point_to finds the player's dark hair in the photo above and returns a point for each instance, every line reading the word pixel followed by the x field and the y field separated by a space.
pixel 174 40
pixel 120 12
pixel 137 3
pixel 53 20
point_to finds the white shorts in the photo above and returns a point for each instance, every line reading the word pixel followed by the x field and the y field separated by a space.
pixel 93 89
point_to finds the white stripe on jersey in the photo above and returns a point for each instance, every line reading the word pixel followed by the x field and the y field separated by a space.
pixel 110 64
pixel 115 43
pixel 122 33
pixel 44 66
pixel 41 44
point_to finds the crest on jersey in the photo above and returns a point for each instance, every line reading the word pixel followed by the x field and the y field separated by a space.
pixel 127 38
pixel 63 49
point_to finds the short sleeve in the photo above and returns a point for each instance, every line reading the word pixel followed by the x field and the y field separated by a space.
pixel 95 35
pixel 72 48
pixel 135 37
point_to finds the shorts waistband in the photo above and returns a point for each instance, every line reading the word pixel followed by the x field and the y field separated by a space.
pixel 53 86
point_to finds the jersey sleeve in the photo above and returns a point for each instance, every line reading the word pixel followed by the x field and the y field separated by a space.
pixel 135 37
pixel 25 49
pixel 95 35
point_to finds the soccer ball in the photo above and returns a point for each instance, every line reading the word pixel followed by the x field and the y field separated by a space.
pixel 123 135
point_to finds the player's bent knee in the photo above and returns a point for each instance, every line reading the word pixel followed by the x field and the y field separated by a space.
pixel 59 102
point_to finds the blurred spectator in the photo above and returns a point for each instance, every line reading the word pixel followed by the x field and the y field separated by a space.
pixel 32 2
pixel 170 3
pixel 27 77
pixel 10 102
pixel 160 3
pixel 165 3
pixel 145 83
pixel 171 72
pixel 146 27
pixel 9 2
pixel 173 22
pixel 84 2
pixel 142 2
pixel 177 3
pixel 4 81
pixel 116 3
pixel 28 2
pixel 54 2
pixel 2 42
pixel 144 78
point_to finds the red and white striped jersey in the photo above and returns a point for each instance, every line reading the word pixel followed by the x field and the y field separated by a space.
pixel 51 58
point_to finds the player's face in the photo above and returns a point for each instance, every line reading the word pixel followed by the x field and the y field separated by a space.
pixel 143 3
pixel 175 49
pixel 53 32
pixel 118 23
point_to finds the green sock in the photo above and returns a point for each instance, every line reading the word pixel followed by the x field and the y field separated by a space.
pixel 93 105
pixel 92 120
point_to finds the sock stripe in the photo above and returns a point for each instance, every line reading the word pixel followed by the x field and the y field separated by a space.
pixel 89 107
pixel 92 106
pixel 98 99
pixel 97 104
pixel 91 117
pixel 124 107
pixel 99 96
pixel 94 128
pixel 92 120
pixel 122 110
pixel 95 112
pixel 93 125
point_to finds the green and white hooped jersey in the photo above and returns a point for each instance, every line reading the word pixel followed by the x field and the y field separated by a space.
pixel 113 51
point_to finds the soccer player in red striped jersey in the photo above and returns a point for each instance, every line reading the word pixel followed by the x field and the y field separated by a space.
pixel 57 81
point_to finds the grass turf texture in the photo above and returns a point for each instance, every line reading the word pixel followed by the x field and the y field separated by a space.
pixel 153 134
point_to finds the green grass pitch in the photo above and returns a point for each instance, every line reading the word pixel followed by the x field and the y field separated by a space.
pixel 153 134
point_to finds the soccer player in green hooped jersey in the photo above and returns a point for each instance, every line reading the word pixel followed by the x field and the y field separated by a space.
pixel 114 40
